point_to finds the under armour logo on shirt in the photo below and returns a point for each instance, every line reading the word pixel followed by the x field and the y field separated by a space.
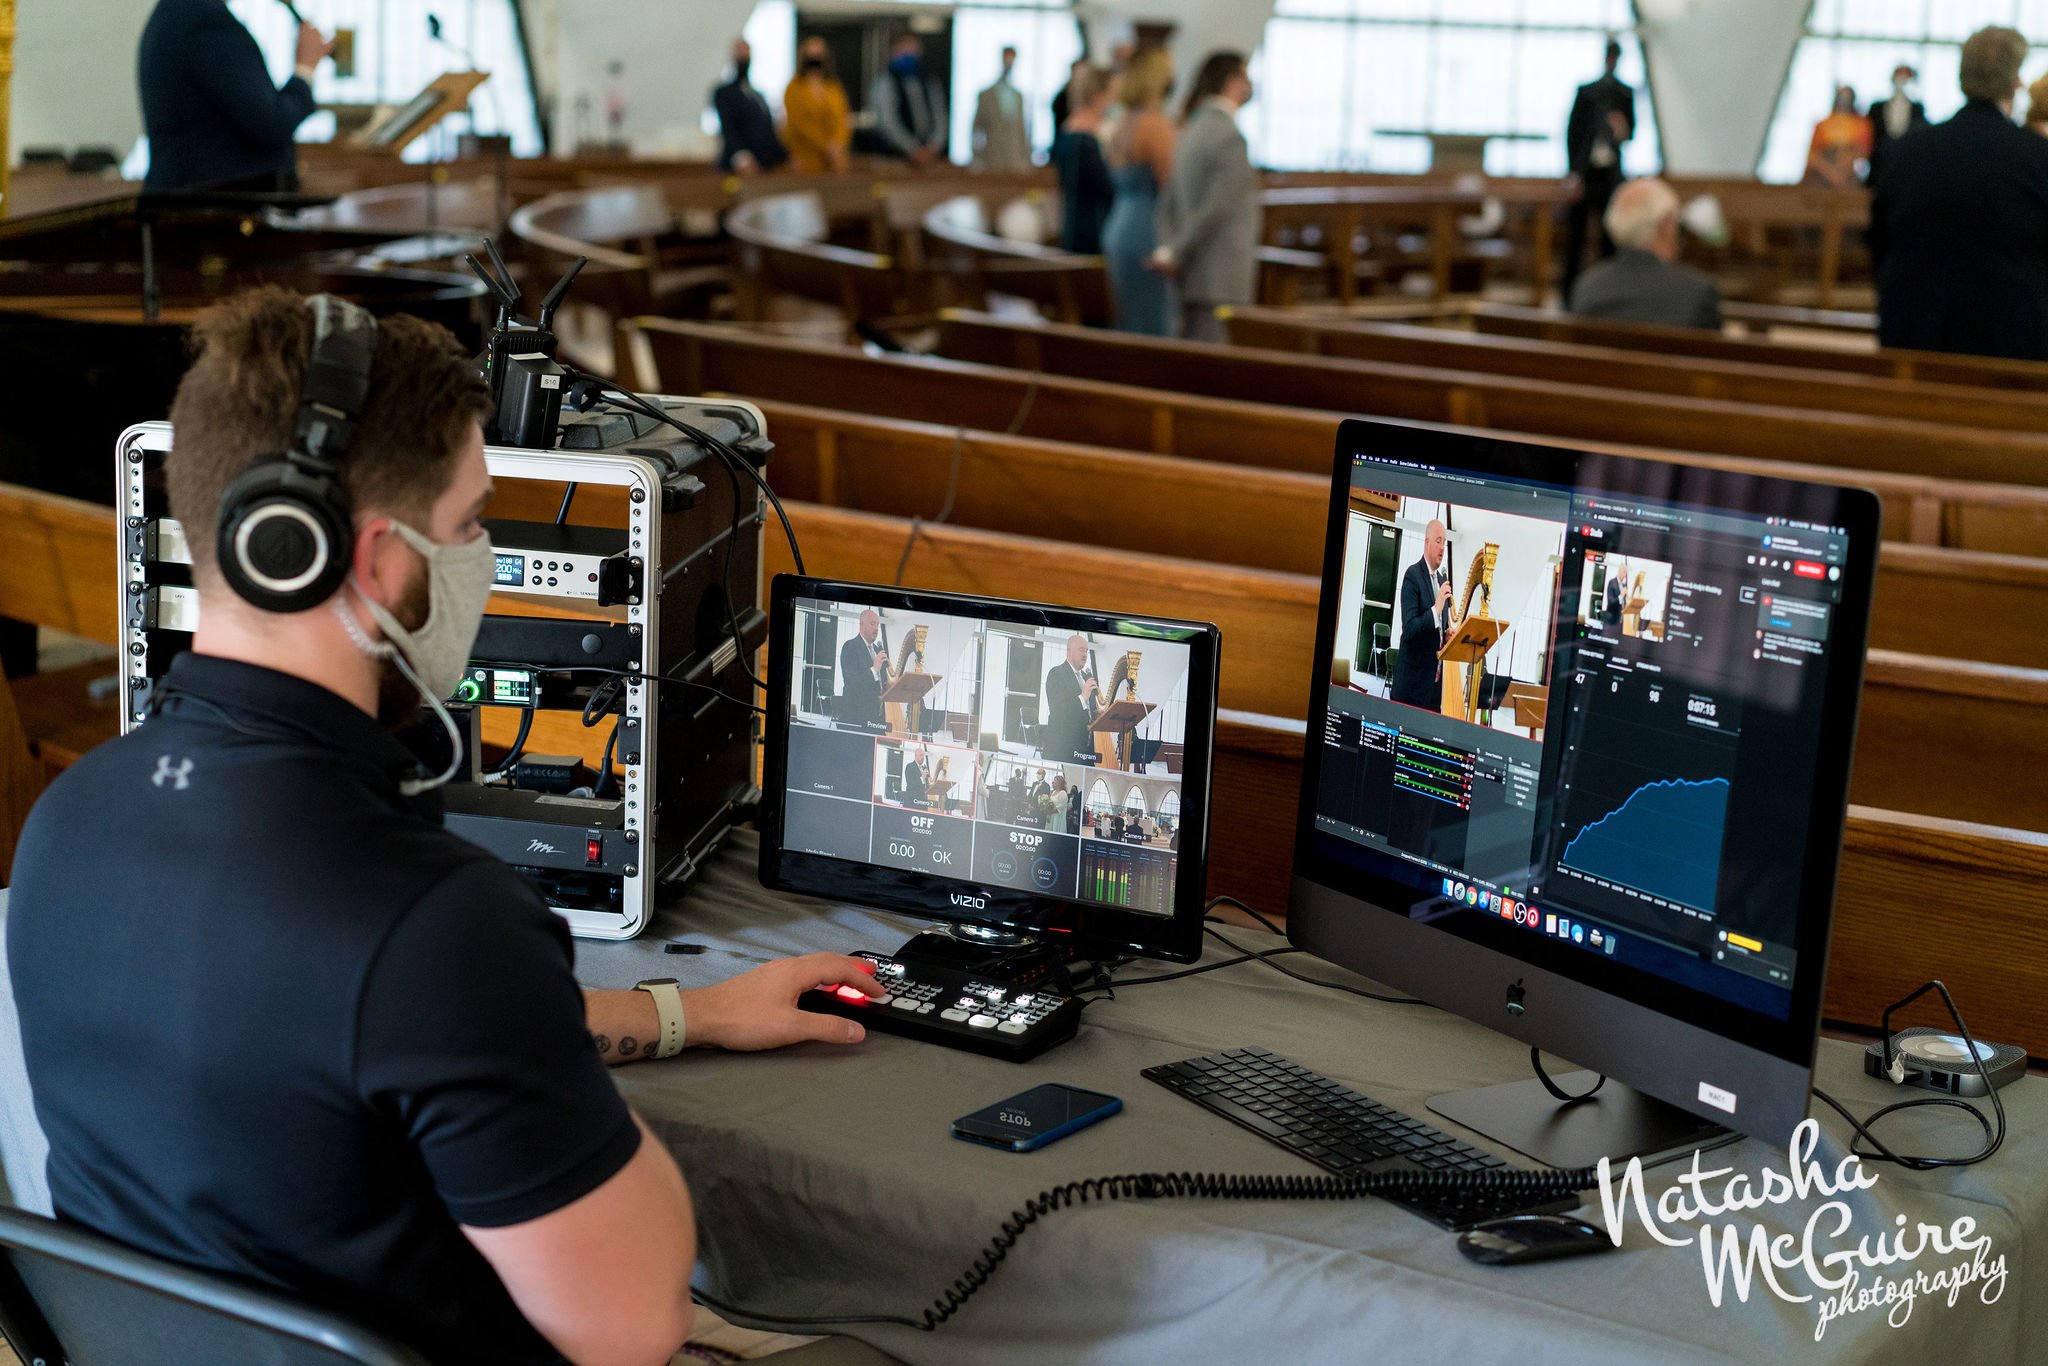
pixel 178 775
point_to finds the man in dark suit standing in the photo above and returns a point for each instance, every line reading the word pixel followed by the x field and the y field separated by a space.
pixel 746 128
pixel 1603 117
pixel 1959 221
pixel 1643 281
pixel 914 793
pixel 208 108
pixel 1610 608
pixel 1893 118
pixel 861 665
pixel 1425 625
pixel 1069 705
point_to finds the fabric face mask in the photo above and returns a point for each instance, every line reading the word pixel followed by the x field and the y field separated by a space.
pixel 458 586
pixel 435 655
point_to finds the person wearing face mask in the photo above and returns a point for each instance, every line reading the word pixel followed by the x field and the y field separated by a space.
pixel 816 125
pixel 1895 116
pixel 909 107
pixel 746 129
pixel 279 1023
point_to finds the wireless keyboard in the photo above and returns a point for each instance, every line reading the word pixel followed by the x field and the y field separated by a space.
pixel 955 1009
pixel 1340 1130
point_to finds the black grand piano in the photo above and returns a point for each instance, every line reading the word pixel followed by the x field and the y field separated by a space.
pixel 96 297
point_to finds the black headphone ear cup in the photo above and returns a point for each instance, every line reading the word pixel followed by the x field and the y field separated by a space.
pixel 285 538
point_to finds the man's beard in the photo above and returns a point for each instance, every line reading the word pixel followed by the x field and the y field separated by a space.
pixel 398 701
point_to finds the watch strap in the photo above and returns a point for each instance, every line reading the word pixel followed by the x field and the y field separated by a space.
pixel 668 1006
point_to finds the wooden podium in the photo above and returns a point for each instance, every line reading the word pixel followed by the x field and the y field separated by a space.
pixel 1117 721
pixel 1632 616
pixel 897 697
pixel 1531 704
pixel 1470 640
pixel 399 128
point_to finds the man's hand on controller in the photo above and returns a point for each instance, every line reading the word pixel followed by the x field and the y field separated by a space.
pixel 758 1009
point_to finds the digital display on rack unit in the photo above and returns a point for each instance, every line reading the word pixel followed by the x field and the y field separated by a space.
pixel 510 571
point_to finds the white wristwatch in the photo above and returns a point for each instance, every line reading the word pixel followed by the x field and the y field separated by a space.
pixel 668 1005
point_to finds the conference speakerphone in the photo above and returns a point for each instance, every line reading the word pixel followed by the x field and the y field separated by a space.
pixel 958 1009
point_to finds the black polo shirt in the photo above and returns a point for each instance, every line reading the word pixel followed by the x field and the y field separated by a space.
pixel 281 1024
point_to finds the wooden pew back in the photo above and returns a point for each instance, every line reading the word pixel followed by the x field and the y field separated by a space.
pixel 1918 587
pixel 1029 486
pixel 1609 367
pixel 1984 372
pixel 781 247
pixel 1961 604
pixel 2002 518
pixel 1847 441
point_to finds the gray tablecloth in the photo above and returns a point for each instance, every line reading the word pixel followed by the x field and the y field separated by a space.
pixel 827 1182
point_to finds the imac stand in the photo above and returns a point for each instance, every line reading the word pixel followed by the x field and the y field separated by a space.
pixel 1614 1121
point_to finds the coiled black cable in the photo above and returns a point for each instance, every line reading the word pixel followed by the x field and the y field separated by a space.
pixel 1534 1187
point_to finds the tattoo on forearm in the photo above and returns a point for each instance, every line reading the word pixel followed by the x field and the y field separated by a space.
pixel 628 1046
pixel 603 1042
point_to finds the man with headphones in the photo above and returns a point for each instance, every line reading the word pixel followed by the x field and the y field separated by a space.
pixel 280 1023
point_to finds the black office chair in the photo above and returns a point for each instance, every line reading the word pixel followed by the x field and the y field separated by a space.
pixel 71 1295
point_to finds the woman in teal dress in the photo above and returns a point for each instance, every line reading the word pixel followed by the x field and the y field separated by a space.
pixel 1140 159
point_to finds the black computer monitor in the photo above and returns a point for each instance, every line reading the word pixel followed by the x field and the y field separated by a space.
pixel 947 756
pixel 1618 841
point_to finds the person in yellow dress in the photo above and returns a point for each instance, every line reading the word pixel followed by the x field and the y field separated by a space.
pixel 1840 141
pixel 816 126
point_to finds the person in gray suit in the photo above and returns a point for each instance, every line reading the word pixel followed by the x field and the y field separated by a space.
pixel 1643 282
pixel 1209 216
pixel 1001 141
pixel 909 106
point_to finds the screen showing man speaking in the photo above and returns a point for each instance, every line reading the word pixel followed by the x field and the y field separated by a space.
pixel 1584 714
pixel 995 752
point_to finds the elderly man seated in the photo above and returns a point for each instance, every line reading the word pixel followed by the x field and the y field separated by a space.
pixel 1643 282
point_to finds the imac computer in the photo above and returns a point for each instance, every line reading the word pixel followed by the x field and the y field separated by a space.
pixel 1035 777
pixel 1577 769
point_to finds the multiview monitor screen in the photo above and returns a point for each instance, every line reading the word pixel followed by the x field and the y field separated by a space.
pixel 1594 714
pixel 1017 765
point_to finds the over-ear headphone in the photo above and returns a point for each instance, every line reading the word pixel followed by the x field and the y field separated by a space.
pixel 286 527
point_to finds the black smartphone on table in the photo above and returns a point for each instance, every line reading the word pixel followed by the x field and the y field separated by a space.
pixel 1031 1119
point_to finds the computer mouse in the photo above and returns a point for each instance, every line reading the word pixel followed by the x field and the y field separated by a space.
pixel 1531 1238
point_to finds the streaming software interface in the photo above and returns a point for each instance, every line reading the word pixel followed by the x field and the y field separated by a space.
pixel 1004 755
pixel 1591 716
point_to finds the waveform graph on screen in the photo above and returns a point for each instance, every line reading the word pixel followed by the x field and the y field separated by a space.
pixel 1663 840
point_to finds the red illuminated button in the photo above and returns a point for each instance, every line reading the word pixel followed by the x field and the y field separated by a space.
pixel 1808 569
pixel 593 850
pixel 853 994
